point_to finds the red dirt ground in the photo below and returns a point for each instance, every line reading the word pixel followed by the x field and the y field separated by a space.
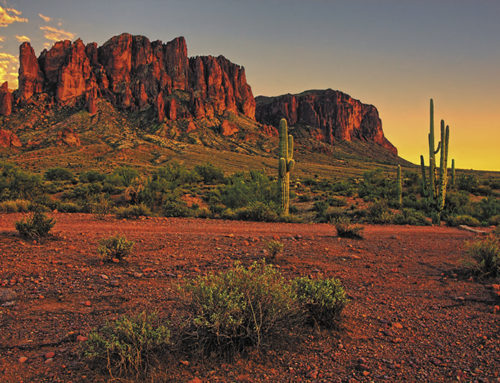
pixel 410 317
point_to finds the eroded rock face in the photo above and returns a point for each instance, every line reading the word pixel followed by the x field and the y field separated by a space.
pixel 330 115
pixel 9 139
pixel 68 137
pixel 6 100
pixel 31 79
pixel 136 74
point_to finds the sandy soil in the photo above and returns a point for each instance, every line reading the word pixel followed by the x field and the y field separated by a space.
pixel 410 318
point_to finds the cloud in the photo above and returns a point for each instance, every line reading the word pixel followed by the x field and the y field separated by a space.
pixel 8 69
pixel 9 16
pixel 54 34
pixel 46 45
pixel 47 19
pixel 2 39
pixel 22 39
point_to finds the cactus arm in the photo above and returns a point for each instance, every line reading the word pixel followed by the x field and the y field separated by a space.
pixel 286 164
pixel 399 187
pixel 438 147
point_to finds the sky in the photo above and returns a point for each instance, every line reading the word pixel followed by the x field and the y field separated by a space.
pixel 394 54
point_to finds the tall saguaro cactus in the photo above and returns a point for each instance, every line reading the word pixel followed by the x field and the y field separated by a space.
pixel 286 164
pixel 435 189
pixel 432 155
pixel 399 187
pixel 453 173
pixel 424 178
pixel 443 167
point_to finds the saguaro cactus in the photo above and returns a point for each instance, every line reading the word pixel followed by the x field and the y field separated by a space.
pixel 443 167
pixel 435 190
pixel 424 178
pixel 286 164
pixel 399 187
pixel 432 153
pixel 453 173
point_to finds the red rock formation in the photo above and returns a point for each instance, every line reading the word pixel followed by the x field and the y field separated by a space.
pixel 67 136
pixel 9 139
pixel 328 115
pixel 30 76
pixel 135 74
pixel 5 100
pixel 228 128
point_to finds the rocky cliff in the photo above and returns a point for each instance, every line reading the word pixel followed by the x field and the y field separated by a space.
pixel 327 115
pixel 135 74
pixel 171 96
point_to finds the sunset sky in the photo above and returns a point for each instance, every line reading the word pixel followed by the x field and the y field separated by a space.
pixel 394 54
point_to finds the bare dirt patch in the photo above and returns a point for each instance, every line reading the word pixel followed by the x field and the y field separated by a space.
pixel 410 318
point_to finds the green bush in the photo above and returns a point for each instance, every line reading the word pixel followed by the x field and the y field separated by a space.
pixel 240 307
pixel 36 226
pixel 68 207
pixel 116 247
pixel 258 211
pixel 58 174
pixel 274 248
pixel 124 175
pixel 483 257
pixel 322 299
pixel 128 346
pixel 457 220
pixel 16 206
pixel 18 184
pixel 379 212
pixel 347 230
pixel 92 176
pixel 243 189
pixel 133 211
pixel 411 217
pixel 209 173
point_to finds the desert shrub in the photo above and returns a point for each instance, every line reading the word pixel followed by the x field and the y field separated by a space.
pixel 322 299
pixel 379 212
pixel 457 220
pixel 128 346
pixel 18 184
pixel 16 206
pixel 345 229
pixel 344 188
pixel 124 175
pixel 176 207
pixel 483 257
pixel 36 226
pixel 58 174
pixel 240 307
pixel 375 185
pixel 336 202
pixel 467 182
pixel 242 189
pixel 84 192
pixel 116 247
pixel 495 220
pixel 100 207
pixel 411 217
pixel 68 207
pixel 258 211
pixel 133 211
pixel 209 173
pixel 489 207
pixel 92 176
pixel 274 248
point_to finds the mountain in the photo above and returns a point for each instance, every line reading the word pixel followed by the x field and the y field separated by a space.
pixel 131 91
pixel 325 115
